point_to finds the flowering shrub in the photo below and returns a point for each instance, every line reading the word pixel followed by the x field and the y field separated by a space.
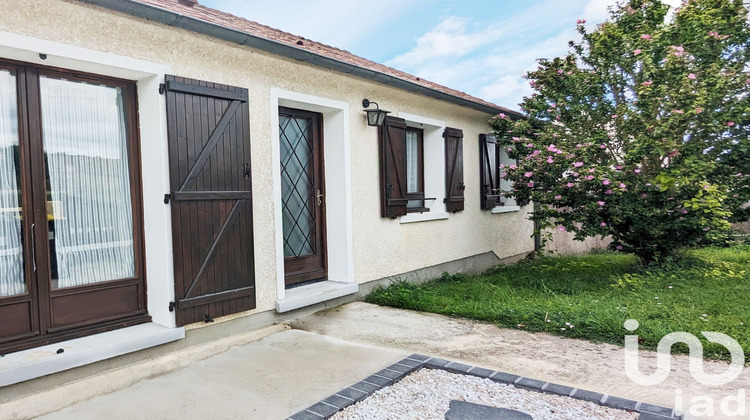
pixel 641 131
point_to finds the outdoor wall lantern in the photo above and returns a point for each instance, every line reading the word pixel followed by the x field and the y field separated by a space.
pixel 375 117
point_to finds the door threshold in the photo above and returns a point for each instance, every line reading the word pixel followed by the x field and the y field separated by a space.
pixel 310 294
pixel 40 361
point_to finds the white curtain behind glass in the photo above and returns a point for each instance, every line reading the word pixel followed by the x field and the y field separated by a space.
pixel 412 163
pixel 89 187
pixel 11 253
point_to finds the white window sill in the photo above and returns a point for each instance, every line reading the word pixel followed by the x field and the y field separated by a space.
pixel 302 296
pixel 422 217
pixel 505 209
pixel 40 361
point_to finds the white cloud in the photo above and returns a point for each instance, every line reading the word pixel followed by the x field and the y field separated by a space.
pixel 448 39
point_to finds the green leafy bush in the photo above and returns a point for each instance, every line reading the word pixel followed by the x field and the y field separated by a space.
pixel 641 132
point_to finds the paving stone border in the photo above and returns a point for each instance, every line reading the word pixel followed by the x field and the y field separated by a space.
pixel 397 371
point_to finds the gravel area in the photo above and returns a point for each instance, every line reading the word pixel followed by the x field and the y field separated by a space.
pixel 426 394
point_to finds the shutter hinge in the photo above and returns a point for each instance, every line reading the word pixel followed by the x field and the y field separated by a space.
pixel 389 191
pixel 462 186
pixel 167 197
pixel 162 88
pixel 207 318
pixel 171 306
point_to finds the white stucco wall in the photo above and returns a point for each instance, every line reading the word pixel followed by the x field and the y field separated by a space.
pixel 381 247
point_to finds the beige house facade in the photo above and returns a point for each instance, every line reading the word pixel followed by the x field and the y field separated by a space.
pixel 252 185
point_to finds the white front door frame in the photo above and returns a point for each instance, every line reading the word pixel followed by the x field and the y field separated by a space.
pixel 338 202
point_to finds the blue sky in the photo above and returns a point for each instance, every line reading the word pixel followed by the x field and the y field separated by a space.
pixel 479 47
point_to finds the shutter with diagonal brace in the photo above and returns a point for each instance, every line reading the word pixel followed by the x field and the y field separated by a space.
pixel 393 168
pixel 489 173
pixel 454 170
pixel 211 199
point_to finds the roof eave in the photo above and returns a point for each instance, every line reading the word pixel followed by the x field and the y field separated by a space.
pixel 178 20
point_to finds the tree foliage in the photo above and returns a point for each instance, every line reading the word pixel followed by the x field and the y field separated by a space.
pixel 641 131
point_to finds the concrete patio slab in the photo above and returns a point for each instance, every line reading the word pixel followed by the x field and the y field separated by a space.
pixel 266 379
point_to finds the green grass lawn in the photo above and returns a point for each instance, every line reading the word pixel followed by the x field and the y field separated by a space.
pixel 591 296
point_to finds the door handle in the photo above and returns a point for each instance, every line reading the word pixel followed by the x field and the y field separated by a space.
pixel 318 197
pixel 33 247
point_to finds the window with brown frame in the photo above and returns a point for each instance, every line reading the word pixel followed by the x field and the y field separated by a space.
pixel 415 170
pixel 71 246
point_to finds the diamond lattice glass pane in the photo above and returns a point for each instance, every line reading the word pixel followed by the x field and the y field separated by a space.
pixel 12 279
pixel 296 186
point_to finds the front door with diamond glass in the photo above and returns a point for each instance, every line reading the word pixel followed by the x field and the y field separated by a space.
pixel 302 195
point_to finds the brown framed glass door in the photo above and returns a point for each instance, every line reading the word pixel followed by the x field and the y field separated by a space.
pixel 77 193
pixel 18 292
pixel 302 195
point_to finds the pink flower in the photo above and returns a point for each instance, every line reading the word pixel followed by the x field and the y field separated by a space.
pixel 623 186
pixel 530 184
pixel 530 145
pixel 614 116
pixel 692 76
pixel 677 50
pixel 581 21
pixel 513 166
pixel 602 146
pixel 550 160
pixel 717 36
pixel 578 164
pixel 503 175
pixel 618 247
pixel 638 51
pixel 557 197
pixel 601 203
pixel 501 115
pixel 578 146
pixel 647 83
pixel 592 170
pixel 570 185
pixel 608 192
pixel 637 171
pixel 561 229
pixel 684 211
pixel 698 110
pixel 575 174
pixel 730 124
pixel 554 105
pixel 528 174
pixel 646 36
pixel 678 111
pixel 644 195
pixel 590 177
pixel 605 182
pixel 602 224
pixel 560 71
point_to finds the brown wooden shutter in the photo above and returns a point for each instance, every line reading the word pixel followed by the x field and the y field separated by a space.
pixel 393 167
pixel 454 169
pixel 212 227
pixel 489 172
